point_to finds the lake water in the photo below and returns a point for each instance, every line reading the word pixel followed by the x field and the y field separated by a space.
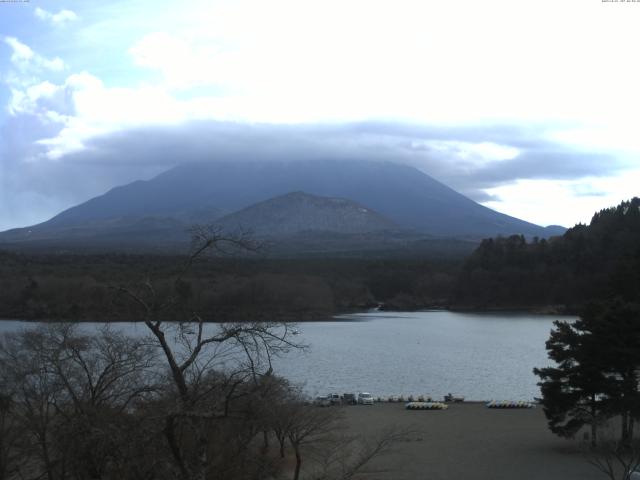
pixel 479 356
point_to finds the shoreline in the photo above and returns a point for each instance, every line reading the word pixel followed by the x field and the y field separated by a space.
pixel 540 310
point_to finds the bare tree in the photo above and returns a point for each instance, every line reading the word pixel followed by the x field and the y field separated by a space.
pixel 318 434
pixel 309 424
pixel 34 392
pixel 350 456
pixel 615 458
pixel 191 349
pixel 287 399
pixel 69 391
pixel 10 434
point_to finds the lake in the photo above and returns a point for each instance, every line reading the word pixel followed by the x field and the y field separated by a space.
pixel 480 356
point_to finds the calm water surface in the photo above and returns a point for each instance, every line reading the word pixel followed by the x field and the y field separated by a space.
pixel 479 356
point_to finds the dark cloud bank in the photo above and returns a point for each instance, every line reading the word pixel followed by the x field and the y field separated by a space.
pixel 125 156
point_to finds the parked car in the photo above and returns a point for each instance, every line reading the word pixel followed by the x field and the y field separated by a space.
pixel 322 401
pixel 365 398
pixel 334 399
pixel 349 398
pixel 634 475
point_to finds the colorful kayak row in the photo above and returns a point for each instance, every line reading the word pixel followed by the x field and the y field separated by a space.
pixel 402 398
pixel 426 406
pixel 510 404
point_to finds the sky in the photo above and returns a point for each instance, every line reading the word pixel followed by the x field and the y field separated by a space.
pixel 530 108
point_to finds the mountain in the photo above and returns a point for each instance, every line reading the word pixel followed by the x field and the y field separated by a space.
pixel 298 212
pixel 553 231
pixel 162 208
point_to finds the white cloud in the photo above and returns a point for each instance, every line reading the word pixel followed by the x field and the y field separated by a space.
pixel 181 65
pixel 57 19
pixel 27 100
pixel 470 155
pixel 296 61
pixel 21 52
pixel 42 106
pixel 26 60
pixel 414 60
pixel 560 202
pixel 97 109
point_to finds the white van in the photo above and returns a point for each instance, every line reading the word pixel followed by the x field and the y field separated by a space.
pixel 365 398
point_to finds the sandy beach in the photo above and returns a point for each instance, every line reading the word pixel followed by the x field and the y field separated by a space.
pixel 470 441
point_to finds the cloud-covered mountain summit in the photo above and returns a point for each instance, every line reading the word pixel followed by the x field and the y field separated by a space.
pixel 390 196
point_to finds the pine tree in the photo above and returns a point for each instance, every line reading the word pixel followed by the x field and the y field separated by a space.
pixel 572 392
pixel 596 377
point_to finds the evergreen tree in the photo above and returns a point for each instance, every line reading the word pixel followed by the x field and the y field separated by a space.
pixel 596 377
pixel 572 392
pixel 616 328
pixel 591 262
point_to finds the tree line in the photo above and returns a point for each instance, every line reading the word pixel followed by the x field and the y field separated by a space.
pixel 589 262
pixel 82 287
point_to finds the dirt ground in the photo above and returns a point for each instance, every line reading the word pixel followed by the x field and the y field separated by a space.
pixel 470 441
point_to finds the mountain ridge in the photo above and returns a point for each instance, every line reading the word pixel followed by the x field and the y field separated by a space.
pixel 297 212
pixel 207 192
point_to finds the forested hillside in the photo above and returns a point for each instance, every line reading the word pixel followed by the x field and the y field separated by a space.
pixel 589 262
pixel 84 287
